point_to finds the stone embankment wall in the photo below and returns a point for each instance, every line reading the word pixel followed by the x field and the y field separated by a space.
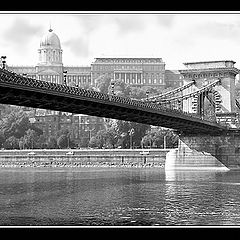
pixel 84 157
pixel 225 148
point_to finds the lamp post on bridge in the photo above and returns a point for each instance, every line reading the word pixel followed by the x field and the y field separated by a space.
pixel 112 88
pixel 65 77
pixel 147 93
pixel 90 133
pixel 131 132
pixel 3 60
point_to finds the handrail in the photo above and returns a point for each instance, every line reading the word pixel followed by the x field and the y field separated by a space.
pixel 237 103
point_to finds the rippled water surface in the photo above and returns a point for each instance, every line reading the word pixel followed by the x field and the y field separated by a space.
pixel 118 196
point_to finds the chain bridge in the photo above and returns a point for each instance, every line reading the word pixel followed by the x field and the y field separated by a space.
pixel 171 109
pixel 203 111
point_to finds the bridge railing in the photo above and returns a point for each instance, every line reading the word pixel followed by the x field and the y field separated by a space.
pixel 7 76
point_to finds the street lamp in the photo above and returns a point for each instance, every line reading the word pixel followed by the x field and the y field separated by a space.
pixel 112 88
pixel 68 135
pixel 32 143
pixel 90 133
pixel 131 132
pixel 65 76
pixel 164 142
pixel 3 60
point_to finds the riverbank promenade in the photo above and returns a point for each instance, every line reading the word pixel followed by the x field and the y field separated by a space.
pixel 83 157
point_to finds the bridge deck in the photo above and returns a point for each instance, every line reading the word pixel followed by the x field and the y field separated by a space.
pixel 19 90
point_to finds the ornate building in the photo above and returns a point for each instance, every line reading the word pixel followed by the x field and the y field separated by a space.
pixel 133 71
pixel 50 66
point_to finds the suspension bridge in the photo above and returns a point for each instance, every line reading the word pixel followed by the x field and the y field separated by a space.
pixel 171 109
pixel 204 110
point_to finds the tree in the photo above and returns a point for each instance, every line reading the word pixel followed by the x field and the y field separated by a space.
pixel 16 123
pixel 103 83
pixel 120 88
pixel 97 141
pixel 21 143
pixel 41 142
pixel 63 141
pixel 155 138
pixel 2 139
pixel 63 131
pixel 30 139
pixel 51 143
pixel 106 138
pixel 141 92
pixel 11 143
pixel 130 137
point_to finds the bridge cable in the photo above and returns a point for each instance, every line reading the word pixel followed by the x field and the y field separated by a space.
pixel 192 94
pixel 171 92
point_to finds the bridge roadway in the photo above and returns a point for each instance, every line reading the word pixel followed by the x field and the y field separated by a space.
pixel 23 91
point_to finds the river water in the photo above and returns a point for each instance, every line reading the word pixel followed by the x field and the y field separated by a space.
pixel 118 197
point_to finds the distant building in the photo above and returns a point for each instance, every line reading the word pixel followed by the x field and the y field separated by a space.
pixel 173 78
pixel 81 127
pixel 50 67
pixel 133 71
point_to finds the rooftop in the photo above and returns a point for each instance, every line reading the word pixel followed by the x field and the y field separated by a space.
pixel 128 60
pixel 210 64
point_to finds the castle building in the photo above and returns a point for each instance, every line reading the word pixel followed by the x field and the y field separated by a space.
pixel 50 66
pixel 136 72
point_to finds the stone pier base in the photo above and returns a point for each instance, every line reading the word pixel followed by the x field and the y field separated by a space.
pixel 205 152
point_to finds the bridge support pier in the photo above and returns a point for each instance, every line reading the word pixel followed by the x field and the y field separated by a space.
pixel 205 152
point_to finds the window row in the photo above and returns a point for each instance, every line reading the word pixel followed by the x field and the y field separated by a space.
pixel 128 67
pixel 205 75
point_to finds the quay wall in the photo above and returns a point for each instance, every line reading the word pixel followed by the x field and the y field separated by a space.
pixel 84 156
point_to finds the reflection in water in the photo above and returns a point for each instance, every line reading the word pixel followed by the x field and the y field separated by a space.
pixel 190 175
pixel 203 198
pixel 118 196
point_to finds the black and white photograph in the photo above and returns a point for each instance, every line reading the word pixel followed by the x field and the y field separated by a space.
pixel 119 119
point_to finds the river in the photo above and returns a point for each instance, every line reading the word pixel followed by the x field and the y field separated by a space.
pixel 118 197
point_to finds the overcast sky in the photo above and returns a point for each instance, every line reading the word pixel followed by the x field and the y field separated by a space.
pixel 174 37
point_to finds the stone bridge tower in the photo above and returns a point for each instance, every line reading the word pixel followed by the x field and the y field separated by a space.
pixel 205 150
pixel 206 72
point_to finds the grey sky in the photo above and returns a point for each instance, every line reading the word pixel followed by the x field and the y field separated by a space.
pixel 175 37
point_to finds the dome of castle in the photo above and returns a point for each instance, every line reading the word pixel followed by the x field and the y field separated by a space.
pixel 50 40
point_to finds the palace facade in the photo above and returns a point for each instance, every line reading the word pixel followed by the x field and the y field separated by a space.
pixel 133 71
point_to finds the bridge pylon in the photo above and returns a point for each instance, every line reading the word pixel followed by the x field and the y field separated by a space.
pixel 218 150
pixel 222 95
